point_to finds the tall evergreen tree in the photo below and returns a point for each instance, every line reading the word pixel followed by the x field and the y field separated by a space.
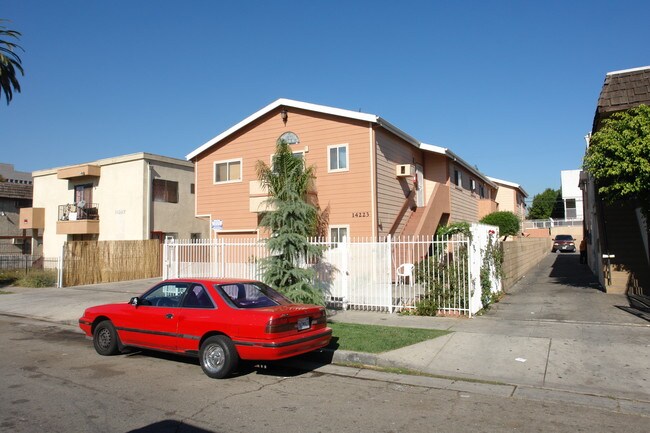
pixel 290 220
pixel 10 63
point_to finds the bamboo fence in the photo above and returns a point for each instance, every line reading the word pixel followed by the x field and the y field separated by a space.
pixel 92 262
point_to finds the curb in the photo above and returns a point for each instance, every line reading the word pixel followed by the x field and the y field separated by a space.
pixel 338 362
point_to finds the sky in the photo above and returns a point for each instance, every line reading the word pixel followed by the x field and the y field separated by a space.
pixel 509 86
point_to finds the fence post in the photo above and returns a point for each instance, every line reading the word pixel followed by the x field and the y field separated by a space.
pixel 59 276
pixel 165 253
pixel 389 273
pixel 345 272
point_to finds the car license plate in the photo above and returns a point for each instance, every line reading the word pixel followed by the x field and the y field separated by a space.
pixel 303 323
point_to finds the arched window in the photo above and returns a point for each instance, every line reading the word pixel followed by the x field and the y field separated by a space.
pixel 289 138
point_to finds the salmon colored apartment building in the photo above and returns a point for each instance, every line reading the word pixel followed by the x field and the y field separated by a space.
pixel 375 179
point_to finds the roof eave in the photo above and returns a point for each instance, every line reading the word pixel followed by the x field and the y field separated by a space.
pixel 290 103
pixel 510 184
pixel 477 173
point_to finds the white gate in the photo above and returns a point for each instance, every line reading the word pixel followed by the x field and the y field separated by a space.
pixel 386 275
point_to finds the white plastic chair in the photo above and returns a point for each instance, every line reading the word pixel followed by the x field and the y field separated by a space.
pixel 403 271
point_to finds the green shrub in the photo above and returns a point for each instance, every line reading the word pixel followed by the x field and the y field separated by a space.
pixel 444 280
pixel 8 277
pixel 507 222
pixel 37 279
pixel 427 306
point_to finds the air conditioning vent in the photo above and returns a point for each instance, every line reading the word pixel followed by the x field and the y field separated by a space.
pixel 404 170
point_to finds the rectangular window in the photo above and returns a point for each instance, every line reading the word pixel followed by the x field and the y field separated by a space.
pixel 472 185
pixel 337 157
pixel 571 212
pixel 458 180
pixel 191 188
pixel 227 171
pixel 338 233
pixel 481 191
pixel 165 191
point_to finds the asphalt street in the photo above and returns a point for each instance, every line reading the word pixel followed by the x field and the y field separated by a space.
pixel 554 337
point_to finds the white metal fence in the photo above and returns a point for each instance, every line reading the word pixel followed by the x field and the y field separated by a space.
pixel 549 223
pixel 392 274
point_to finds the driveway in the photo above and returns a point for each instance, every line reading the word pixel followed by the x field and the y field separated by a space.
pixel 561 289
pixel 555 330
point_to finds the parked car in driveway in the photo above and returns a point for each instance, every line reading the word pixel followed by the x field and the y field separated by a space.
pixel 563 243
pixel 221 321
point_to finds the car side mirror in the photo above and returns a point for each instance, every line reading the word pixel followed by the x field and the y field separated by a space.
pixel 134 301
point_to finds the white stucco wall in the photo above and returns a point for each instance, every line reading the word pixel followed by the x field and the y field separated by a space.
pixel 122 196
pixel 571 190
pixel 49 193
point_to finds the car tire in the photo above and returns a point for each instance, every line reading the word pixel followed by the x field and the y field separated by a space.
pixel 218 357
pixel 105 339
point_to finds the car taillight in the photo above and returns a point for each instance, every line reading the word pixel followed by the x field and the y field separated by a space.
pixel 280 324
pixel 319 320
pixel 285 324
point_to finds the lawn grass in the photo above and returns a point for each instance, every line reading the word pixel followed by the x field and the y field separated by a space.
pixel 377 339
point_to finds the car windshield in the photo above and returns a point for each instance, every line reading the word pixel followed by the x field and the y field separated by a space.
pixel 563 238
pixel 251 295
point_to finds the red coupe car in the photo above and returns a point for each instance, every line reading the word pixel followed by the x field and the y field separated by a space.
pixel 219 320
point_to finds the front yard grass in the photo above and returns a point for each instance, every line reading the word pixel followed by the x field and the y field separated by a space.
pixel 377 339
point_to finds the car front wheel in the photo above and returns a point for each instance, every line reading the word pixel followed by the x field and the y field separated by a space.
pixel 218 356
pixel 105 339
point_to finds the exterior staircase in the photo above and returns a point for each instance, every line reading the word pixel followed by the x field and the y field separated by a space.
pixel 630 267
pixel 425 220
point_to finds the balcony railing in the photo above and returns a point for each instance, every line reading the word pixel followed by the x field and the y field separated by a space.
pixel 78 211
pixel 549 223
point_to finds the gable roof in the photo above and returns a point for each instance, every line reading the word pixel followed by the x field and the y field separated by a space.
pixel 621 91
pixel 290 103
pixel 510 184
pixel 349 114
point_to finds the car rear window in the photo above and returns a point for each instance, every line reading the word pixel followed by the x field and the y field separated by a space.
pixel 251 295
pixel 563 238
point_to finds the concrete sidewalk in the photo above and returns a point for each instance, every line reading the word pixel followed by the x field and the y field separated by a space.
pixel 555 336
pixel 554 332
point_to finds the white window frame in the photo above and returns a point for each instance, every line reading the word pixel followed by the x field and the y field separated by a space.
pixel 338 227
pixel 347 156
pixel 458 178
pixel 472 185
pixel 226 161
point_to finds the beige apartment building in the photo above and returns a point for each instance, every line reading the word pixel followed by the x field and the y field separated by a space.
pixel 374 179
pixel 511 197
pixel 131 197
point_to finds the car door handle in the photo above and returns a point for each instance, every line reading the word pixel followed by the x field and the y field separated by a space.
pixel 169 316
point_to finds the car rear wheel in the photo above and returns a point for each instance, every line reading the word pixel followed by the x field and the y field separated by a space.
pixel 218 356
pixel 105 339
